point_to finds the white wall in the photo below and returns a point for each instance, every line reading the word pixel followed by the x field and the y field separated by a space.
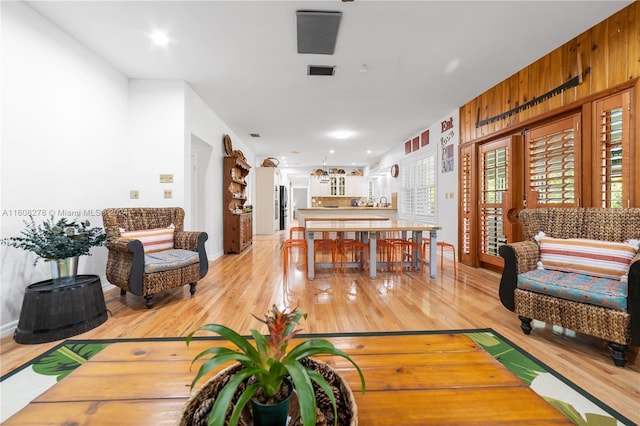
pixel 156 136
pixel 203 126
pixel 77 136
pixel 64 114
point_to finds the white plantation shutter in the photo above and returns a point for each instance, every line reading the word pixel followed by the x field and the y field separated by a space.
pixel 418 180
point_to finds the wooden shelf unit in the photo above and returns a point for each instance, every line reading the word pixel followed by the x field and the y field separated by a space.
pixel 238 226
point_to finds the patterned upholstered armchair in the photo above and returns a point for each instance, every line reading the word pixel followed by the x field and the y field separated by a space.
pixel 583 273
pixel 149 251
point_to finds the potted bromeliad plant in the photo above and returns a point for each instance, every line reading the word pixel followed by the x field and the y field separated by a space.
pixel 265 372
pixel 60 242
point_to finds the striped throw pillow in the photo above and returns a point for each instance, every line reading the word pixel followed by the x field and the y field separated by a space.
pixel 153 240
pixel 596 258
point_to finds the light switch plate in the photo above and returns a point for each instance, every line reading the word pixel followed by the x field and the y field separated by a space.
pixel 134 194
pixel 166 179
pixel 168 193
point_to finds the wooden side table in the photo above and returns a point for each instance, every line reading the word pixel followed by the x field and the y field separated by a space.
pixel 60 308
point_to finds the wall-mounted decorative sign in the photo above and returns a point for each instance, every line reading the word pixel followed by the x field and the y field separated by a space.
pixel 447 158
pixel 407 147
pixel 415 143
pixel 448 154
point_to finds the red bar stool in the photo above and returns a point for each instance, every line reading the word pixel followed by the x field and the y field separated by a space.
pixel 405 249
pixel 292 243
pixel 359 252
pixel 384 246
pixel 442 245
pixel 326 244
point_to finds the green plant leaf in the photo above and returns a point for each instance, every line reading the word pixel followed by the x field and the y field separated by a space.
pixel 324 385
pixel 225 396
pixel 213 351
pixel 216 361
pixel 321 346
pixel 261 342
pixel 306 395
pixel 245 397
pixel 241 342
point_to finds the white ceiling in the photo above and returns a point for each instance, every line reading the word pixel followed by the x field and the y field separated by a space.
pixel 241 58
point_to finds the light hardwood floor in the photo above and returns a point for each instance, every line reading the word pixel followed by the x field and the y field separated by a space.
pixel 238 285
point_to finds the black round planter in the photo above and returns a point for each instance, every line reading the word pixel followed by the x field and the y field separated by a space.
pixel 60 308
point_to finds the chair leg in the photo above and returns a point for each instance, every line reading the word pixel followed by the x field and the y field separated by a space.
pixel 149 301
pixel 122 292
pixel 285 259
pixel 442 245
pixel 192 288
pixel 618 354
pixel 525 324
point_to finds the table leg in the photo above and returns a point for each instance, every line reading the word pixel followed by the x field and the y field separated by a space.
pixel 372 254
pixel 417 260
pixel 433 265
pixel 311 266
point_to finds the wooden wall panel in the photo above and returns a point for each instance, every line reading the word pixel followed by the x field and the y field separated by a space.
pixel 599 62
pixel 523 83
pixel 514 99
pixel 584 50
pixel 618 48
pixel 634 43
pixel 612 51
pixel 568 70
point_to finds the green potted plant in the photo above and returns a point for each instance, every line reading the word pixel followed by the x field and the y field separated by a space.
pixel 266 366
pixel 58 241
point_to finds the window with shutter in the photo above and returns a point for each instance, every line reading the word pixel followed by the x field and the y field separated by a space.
pixel 418 180
pixel 466 194
pixel 612 120
pixel 553 164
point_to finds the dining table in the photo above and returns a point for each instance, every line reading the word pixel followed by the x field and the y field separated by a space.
pixel 368 231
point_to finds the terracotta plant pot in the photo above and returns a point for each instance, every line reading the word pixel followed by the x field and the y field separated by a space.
pixel 196 411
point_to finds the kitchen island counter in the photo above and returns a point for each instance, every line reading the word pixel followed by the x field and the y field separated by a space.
pixel 357 212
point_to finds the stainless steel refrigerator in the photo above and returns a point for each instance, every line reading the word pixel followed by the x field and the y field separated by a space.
pixel 284 209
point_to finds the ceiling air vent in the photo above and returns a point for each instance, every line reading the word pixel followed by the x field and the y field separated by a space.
pixel 317 31
pixel 321 70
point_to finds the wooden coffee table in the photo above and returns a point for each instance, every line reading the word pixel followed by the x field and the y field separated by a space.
pixel 417 379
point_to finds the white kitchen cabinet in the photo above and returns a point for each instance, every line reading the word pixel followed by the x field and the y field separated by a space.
pixel 355 186
pixel 320 186
pixel 337 185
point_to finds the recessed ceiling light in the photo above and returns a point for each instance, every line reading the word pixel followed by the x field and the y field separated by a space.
pixel 159 38
pixel 331 151
pixel 342 134
pixel 368 151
